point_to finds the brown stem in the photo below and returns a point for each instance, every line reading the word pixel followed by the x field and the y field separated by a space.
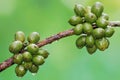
pixel 114 23
pixel 55 37
pixel 9 62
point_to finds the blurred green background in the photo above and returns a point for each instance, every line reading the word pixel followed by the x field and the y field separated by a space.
pixel 65 62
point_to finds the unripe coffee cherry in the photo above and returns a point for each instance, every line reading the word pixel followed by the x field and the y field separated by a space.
pixel 20 70
pixel 74 20
pixel 88 9
pixel 102 44
pixel 20 36
pixel 43 53
pixel 87 28
pixel 27 65
pixel 27 57
pixel 18 58
pixel 15 47
pixel 78 29
pixel 38 60
pixel 90 17
pixel 91 50
pixel 79 10
pixel 98 33
pixel 109 31
pixel 81 41
pixel 34 37
pixel 105 16
pixel 34 69
pixel 101 22
pixel 97 9
pixel 90 41
pixel 32 48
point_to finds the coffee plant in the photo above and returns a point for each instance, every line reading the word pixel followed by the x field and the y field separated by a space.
pixel 90 24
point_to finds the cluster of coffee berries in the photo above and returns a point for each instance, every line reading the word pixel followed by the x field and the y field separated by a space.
pixel 91 23
pixel 27 56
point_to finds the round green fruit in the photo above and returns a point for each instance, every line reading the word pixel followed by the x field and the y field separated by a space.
pixel 34 69
pixel 79 10
pixel 90 17
pixel 98 33
pixel 20 70
pixel 18 59
pixel 97 9
pixel 87 28
pixel 34 37
pixel 27 65
pixel 43 53
pixel 91 50
pixel 78 29
pixel 20 36
pixel 102 44
pixel 88 9
pixel 15 47
pixel 109 31
pixel 101 22
pixel 74 20
pixel 32 48
pixel 90 41
pixel 38 60
pixel 27 57
pixel 105 16
pixel 81 41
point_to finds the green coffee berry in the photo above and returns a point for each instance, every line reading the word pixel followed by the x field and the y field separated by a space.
pixel 105 16
pixel 43 53
pixel 88 9
pixel 90 17
pixel 34 69
pixel 27 57
pixel 97 9
pixel 20 36
pixel 81 41
pixel 34 37
pixel 74 20
pixel 78 29
pixel 102 44
pixel 27 65
pixel 20 70
pixel 38 60
pixel 91 50
pixel 90 41
pixel 87 28
pixel 18 58
pixel 79 10
pixel 32 48
pixel 15 47
pixel 98 33
pixel 101 22
pixel 109 31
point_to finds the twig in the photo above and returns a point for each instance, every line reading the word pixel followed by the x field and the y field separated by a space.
pixel 9 62
pixel 114 23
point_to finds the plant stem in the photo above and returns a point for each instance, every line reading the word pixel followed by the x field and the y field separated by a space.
pixel 9 62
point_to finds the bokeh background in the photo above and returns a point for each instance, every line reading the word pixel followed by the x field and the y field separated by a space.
pixel 65 62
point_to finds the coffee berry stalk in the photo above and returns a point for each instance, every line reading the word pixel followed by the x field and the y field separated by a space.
pixel 32 57
pixel 85 18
